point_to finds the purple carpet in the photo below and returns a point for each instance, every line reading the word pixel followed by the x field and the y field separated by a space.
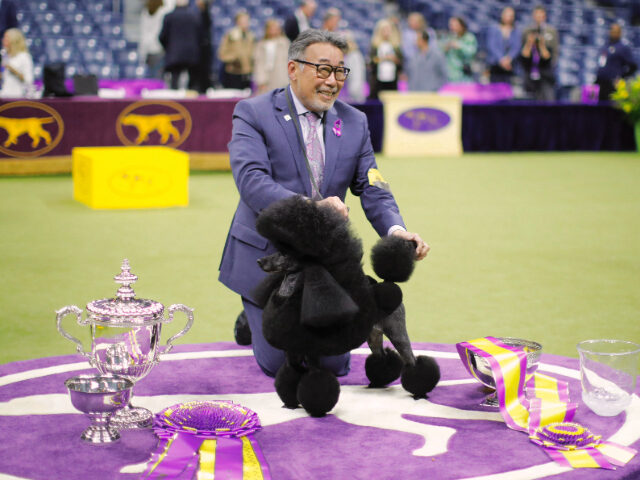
pixel 370 434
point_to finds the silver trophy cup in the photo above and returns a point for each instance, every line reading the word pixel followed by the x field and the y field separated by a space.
pixel 125 337
pixel 483 371
pixel 98 397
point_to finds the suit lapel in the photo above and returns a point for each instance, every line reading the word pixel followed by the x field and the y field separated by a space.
pixel 331 149
pixel 289 128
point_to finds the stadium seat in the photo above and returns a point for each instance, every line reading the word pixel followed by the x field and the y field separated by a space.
pixel 87 27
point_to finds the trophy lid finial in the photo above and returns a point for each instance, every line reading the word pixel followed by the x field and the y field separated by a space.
pixel 125 278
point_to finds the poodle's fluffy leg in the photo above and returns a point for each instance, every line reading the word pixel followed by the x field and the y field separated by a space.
pixel 395 328
pixel 287 380
pixel 384 365
pixel 318 391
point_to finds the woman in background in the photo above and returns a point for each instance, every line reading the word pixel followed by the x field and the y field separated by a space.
pixel 17 72
pixel 503 46
pixel 460 46
pixel 270 70
pixel 386 58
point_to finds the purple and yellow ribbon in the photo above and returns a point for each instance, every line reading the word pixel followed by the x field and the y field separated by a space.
pixel 207 441
pixel 547 416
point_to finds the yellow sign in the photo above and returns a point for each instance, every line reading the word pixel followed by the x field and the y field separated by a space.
pixel 154 123
pixel 32 135
pixel 130 177
pixel 421 124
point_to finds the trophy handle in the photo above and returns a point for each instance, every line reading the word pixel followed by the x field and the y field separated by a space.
pixel 63 312
pixel 189 312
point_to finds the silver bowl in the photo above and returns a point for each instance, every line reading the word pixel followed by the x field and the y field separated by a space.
pixel 98 397
pixel 483 372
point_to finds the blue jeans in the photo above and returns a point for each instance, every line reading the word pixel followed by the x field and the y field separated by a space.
pixel 270 359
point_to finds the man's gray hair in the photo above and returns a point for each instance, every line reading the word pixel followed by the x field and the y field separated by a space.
pixel 311 36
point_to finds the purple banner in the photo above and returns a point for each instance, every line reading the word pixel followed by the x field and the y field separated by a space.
pixel 53 127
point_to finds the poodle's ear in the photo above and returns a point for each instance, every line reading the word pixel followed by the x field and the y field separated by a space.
pixel 393 258
pixel 262 292
pixel 324 301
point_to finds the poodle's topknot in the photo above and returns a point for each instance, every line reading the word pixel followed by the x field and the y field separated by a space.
pixel 300 227
pixel 393 258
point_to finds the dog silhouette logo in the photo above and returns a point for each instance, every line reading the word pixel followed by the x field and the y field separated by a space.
pixel 29 129
pixel 154 123
pixel 424 119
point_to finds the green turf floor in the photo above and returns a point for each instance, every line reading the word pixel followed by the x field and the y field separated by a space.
pixel 540 246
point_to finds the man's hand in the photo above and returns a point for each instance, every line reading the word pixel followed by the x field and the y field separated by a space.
pixel 422 248
pixel 335 202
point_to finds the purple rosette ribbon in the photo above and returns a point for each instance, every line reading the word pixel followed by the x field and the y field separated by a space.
pixel 207 439
pixel 563 442
pixel 564 436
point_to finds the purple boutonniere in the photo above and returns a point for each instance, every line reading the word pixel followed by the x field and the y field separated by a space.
pixel 337 128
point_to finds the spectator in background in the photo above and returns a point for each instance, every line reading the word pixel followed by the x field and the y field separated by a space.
pixel 236 52
pixel 17 75
pixel 202 72
pixel 181 37
pixel 416 24
pixel 427 69
pixel 538 55
pixel 615 62
pixel 386 58
pixel 460 47
pixel 331 20
pixel 8 16
pixel 503 47
pixel 271 58
pixel 150 50
pixel 300 20
pixel 354 60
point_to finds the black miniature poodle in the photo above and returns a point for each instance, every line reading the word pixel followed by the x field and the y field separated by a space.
pixel 318 301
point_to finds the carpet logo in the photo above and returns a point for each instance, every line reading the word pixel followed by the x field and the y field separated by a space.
pixel 140 182
pixel 424 119
pixel 154 123
pixel 30 129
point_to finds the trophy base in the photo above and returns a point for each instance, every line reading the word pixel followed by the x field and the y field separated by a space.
pixel 97 435
pixel 132 418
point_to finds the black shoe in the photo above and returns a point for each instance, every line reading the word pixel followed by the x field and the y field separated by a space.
pixel 241 330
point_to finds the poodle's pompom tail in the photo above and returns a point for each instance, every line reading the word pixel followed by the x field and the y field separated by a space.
pixel 318 392
pixel 393 258
pixel 286 384
pixel 422 377
pixel 382 369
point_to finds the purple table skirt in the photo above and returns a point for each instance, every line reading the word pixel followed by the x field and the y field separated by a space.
pixel 371 433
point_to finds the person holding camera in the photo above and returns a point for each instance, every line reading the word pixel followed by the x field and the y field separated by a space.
pixel 538 56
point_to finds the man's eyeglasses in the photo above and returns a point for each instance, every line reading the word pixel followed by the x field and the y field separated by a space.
pixel 324 70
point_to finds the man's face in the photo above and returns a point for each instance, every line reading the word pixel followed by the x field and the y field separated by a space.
pixel 332 23
pixel 243 22
pixel 539 16
pixel 316 94
pixel 615 32
pixel 309 9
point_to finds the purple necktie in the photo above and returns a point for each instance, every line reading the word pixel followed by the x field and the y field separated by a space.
pixel 314 152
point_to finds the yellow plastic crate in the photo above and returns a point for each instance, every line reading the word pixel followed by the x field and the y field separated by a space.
pixel 130 177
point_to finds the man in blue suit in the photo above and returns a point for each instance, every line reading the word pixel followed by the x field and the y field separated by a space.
pixel 270 161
